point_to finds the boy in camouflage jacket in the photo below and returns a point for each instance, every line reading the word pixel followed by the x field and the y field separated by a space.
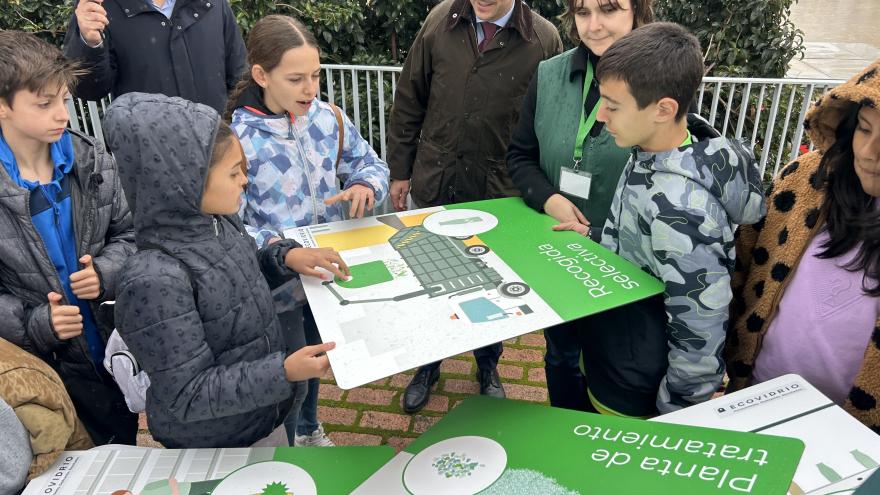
pixel 678 201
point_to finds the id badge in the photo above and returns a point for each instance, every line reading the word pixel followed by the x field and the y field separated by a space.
pixel 575 182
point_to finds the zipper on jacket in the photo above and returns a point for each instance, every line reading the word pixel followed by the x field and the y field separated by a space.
pixel 216 226
pixel 90 211
pixel 42 245
pixel 306 166
pixel 45 252
pixel 620 208
pixel 56 213
pixel 91 192
pixel 589 155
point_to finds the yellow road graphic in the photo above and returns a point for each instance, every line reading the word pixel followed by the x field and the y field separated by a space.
pixel 357 238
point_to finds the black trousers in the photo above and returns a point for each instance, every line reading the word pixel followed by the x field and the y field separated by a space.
pixel 566 384
pixel 625 355
pixel 101 407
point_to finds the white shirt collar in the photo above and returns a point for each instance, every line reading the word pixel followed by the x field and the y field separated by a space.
pixel 504 19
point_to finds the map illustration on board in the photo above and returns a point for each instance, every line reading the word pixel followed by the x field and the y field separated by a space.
pixel 431 283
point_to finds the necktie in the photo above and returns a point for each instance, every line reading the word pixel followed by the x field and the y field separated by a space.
pixel 489 30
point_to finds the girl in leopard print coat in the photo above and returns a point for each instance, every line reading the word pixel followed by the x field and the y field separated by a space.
pixel 806 282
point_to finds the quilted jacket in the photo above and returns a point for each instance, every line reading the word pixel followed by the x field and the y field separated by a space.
pixel 193 305
pixel 291 166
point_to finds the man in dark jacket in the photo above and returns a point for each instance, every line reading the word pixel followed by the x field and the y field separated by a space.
pixel 187 48
pixel 65 233
pixel 456 104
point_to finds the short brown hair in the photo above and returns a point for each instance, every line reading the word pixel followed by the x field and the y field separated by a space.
pixel 29 63
pixel 660 60
pixel 643 13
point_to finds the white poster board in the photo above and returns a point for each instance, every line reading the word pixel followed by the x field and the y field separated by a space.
pixel 840 451
pixel 432 283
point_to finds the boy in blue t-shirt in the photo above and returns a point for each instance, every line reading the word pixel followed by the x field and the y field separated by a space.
pixel 65 232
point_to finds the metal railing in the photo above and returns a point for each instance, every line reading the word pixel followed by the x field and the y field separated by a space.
pixel 86 116
pixel 768 114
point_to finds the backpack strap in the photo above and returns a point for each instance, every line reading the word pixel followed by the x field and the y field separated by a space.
pixel 189 273
pixel 341 125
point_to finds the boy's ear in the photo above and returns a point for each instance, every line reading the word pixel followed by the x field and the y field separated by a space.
pixel 5 108
pixel 259 75
pixel 667 108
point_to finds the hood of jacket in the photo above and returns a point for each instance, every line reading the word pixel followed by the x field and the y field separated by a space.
pixel 723 166
pixel 822 120
pixel 163 171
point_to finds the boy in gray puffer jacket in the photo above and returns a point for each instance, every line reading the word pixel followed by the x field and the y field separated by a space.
pixel 674 213
pixel 65 233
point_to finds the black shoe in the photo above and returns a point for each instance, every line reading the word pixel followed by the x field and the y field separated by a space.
pixel 490 384
pixel 418 391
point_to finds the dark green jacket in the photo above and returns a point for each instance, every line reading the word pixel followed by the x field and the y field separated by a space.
pixel 545 137
pixel 455 108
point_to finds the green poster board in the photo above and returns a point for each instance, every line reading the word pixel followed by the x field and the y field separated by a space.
pixel 431 283
pixel 576 276
pixel 491 446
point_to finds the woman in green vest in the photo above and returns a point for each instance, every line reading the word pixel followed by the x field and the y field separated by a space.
pixel 566 164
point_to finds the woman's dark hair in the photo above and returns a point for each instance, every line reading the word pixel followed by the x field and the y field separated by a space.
pixel 267 42
pixel 643 13
pixel 850 215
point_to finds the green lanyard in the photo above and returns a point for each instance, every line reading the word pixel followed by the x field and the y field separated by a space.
pixel 689 140
pixel 587 122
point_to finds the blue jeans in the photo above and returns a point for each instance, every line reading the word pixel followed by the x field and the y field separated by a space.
pixel 303 420
pixel 308 419
pixel 294 338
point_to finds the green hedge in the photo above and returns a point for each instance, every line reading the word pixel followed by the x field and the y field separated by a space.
pixel 739 37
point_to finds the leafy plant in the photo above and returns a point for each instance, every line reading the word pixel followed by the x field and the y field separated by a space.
pixel 754 38
pixel 751 38
pixel 45 18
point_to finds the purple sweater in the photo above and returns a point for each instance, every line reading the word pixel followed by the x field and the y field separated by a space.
pixel 822 326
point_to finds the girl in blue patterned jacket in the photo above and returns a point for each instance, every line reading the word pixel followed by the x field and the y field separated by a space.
pixel 298 149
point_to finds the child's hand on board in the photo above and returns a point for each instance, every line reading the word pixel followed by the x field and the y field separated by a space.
pixel 360 196
pixel 305 261
pixel 309 362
